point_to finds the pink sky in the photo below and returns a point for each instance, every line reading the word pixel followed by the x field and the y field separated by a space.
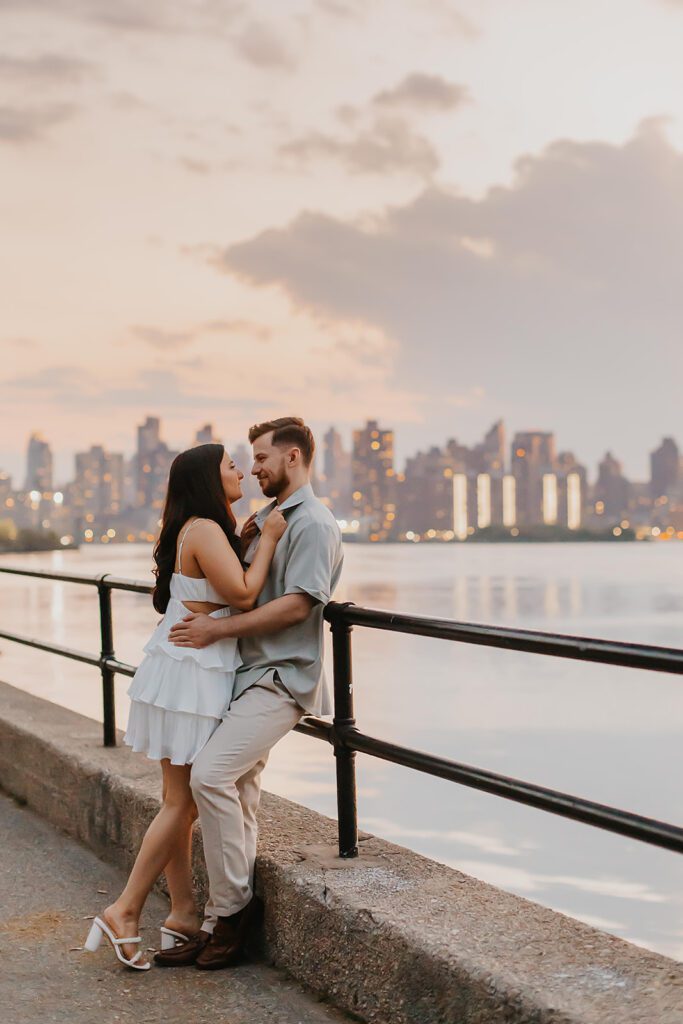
pixel 224 211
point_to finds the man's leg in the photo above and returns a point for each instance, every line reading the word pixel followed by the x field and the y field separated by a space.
pixel 261 716
pixel 249 792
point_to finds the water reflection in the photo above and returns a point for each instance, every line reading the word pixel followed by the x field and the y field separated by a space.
pixel 605 733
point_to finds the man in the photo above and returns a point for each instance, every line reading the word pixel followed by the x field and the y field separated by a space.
pixel 281 678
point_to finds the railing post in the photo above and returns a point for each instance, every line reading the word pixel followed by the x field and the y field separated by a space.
pixel 345 758
pixel 107 651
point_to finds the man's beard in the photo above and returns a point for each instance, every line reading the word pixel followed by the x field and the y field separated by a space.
pixel 272 488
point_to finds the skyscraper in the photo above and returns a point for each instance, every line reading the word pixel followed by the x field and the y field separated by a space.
pixel 571 491
pixel 98 487
pixel 153 462
pixel 253 496
pixel 336 475
pixel 149 435
pixel 426 501
pixel 205 435
pixel 38 465
pixel 612 490
pixel 533 464
pixel 373 481
pixel 489 456
pixel 665 468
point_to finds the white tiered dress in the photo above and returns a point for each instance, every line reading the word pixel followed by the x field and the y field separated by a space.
pixel 179 694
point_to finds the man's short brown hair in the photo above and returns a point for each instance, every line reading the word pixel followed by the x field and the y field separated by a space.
pixel 288 431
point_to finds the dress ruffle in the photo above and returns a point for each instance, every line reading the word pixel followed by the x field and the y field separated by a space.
pixel 159 733
pixel 182 686
pixel 223 654
pixel 179 694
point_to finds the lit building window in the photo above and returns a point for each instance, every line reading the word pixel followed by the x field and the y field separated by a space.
pixel 549 499
pixel 460 505
pixel 573 501
pixel 509 501
pixel 483 501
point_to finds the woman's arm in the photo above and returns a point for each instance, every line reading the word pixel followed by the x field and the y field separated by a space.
pixel 222 567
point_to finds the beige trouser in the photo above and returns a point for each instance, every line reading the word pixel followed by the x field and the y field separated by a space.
pixel 226 783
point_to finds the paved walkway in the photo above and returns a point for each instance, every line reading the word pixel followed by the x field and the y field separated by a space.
pixel 48 886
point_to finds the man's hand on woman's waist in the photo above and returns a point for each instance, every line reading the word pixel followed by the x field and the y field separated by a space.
pixel 199 630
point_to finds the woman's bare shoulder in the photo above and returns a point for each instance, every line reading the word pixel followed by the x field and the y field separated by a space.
pixel 208 531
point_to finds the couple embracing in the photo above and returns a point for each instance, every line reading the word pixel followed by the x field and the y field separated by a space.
pixel 220 686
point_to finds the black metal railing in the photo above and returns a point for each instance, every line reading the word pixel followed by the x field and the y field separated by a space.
pixel 347 739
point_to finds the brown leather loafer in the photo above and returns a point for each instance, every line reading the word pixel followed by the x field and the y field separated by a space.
pixel 226 945
pixel 185 953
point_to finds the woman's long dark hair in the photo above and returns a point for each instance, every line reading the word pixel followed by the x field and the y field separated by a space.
pixel 195 488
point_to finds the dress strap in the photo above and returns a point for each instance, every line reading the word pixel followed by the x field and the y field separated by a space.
pixel 182 541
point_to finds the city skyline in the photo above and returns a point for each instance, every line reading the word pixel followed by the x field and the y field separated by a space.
pixel 22 460
pixel 498 489
pixel 206 214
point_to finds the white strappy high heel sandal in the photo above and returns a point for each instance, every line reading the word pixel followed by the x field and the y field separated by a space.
pixel 100 928
pixel 169 938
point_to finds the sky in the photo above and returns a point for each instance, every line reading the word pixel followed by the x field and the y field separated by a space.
pixel 435 214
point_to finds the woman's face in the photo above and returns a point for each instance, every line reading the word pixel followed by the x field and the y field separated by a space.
pixel 231 478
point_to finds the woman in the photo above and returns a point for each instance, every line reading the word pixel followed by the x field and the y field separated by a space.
pixel 178 695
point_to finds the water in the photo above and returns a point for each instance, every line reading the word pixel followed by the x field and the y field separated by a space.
pixel 609 734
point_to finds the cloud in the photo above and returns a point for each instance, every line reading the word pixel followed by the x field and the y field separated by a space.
pixel 422 92
pixel 165 340
pixel 257 332
pixel 389 146
pixel 124 14
pixel 450 18
pixel 52 378
pixel 82 390
pixel 381 138
pixel 47 69
pixel 554 293
pixel 152 16
pixel 196 166
pixel 265 47
pixel 203 167
pixel 20 342
pixel 158 337
pixel 21 124
pixel 348 9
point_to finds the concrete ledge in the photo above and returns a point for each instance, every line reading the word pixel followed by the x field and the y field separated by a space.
pixel 392 937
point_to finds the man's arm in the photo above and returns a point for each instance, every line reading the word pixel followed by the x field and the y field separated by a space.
pixel 198 630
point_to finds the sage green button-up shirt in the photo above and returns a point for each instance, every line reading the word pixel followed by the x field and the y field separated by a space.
pixel 307 560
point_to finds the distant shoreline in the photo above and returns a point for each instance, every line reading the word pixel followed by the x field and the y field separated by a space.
pixel 33 550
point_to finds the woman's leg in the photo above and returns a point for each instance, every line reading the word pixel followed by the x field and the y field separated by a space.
pixel 182 916
pixel 166 842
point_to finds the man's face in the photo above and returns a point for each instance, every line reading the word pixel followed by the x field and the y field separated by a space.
pixel 270 466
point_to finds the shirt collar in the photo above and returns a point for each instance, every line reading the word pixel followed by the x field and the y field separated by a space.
pixel 296 498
